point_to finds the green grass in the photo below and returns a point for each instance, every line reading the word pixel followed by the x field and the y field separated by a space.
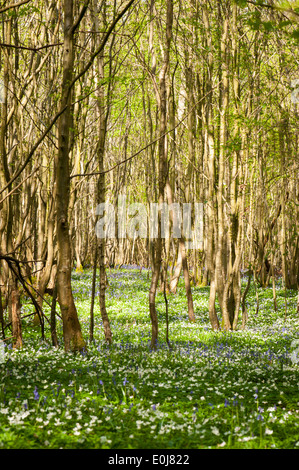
pixel 226 390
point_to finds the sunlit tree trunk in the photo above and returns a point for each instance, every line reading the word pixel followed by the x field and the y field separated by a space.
pixel 162 170
pixel 5 206
pixel 220 259
pixel 103 109
pixel 16 315
pixel 73 339
pixel 46 273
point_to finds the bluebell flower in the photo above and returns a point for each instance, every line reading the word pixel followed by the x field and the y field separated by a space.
pixel 36 394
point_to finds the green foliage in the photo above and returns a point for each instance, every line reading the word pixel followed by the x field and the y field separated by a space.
pixel 241 3
pixel 295 35
pixel 23 11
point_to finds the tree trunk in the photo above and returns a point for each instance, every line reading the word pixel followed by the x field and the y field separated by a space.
pixel 73 339
pixel 163 170
pixel 16 315
pixel 45 276
pixel 93 289
pixel 220 263
pixel 103 109
pixel 53 318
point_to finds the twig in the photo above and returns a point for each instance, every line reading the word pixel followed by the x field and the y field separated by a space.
pixel 14 5
pixel 28 48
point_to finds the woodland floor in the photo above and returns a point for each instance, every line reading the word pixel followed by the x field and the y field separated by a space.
pixel 212 390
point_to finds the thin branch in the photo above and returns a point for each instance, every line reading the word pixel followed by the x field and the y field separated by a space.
pixel 80 17
pixel 89 64
pixel 147 145
pixel 33 150
pixel 14 5
pixel 101 47
pixel 17 187
pixel 34 49
pixel 18 273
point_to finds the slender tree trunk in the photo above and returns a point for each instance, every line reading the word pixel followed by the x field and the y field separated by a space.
pixel 45 276
pixel 220 263
pixel 73 339
pixel 16 315
pixel 93 289
pixel 2 316
pixel 187 281
pixel 177 272
pixel 209 157
pixel 53 318
pixel 103 115
pixel 163 170
pixel 243 301
pixel 5 206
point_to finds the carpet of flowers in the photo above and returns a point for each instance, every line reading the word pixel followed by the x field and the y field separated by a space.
pixel 210 390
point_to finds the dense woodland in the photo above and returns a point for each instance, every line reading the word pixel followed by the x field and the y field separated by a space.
pixel 158 101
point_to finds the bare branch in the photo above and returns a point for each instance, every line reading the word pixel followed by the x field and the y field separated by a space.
pixel 33 150
pixel 147 145
pixel 80 17
pixel 103 43
pixel 13 5
pixel 34 49
pixel 89 64
pixel 17 187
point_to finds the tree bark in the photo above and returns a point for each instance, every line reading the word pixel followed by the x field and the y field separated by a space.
pixel 73 339
pixel 103 108
pixel 163 170
pixel 16 315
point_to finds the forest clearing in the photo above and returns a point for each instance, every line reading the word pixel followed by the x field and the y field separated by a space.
pixel 149 225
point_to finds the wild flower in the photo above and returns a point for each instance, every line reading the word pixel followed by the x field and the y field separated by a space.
pixel 36 394
pixel 215 431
